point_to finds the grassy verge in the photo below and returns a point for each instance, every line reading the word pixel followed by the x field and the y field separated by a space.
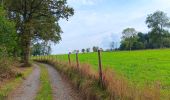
pixel 45 87
pixel 12 84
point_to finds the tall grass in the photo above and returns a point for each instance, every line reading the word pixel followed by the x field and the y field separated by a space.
pixel 8 69
pixel 8 86
pixel 115 87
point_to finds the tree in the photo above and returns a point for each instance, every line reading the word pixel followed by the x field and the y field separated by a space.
pixel 7 44
pixel 112 45
pixel 129 36
pixel 83 50
pixel 166 39
pixel 37 19
pixel 36 49
pixel 7 34
pixel 41 49
pixel 143 38
pixel 157 22
pixel 88 50
pixel 138 45
pixel 95 48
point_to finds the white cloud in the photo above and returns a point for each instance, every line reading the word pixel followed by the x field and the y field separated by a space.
pixel 89 27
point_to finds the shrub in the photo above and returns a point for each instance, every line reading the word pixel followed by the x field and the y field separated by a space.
pixel 7 69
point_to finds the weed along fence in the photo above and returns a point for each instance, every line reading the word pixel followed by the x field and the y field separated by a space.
pixel 99 65
pixel 100 72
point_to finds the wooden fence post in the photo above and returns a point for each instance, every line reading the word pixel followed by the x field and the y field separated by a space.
pixel 77 59
pixel 69 60
pixel 100 69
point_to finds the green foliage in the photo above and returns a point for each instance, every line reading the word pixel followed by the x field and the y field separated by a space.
pixel 146 41
pixel 129 33
pixel 41 49
pixel 37 19
pixel 83 50
pixel 158 37
pixel 7 46
pixel 7 34
pixel 128 38
pixel 88 50
pixel 157 22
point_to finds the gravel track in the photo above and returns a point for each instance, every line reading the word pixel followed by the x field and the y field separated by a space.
pixel 29 88
pixel 62 90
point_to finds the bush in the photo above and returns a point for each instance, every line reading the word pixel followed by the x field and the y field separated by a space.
pixel 7 69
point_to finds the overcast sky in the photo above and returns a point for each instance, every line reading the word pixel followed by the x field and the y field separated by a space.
pixel 98 22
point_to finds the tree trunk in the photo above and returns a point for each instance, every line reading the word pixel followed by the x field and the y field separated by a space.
pixel 26 54
pixel 130 48
pixel 25 50
pixel 15 53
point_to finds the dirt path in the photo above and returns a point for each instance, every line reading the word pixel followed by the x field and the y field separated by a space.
pixel 29 88
pixel 61 89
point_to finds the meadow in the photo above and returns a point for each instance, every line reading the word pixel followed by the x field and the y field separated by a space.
pixel 143 67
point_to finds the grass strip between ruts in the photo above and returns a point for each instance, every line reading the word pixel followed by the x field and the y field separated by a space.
pixel 45 91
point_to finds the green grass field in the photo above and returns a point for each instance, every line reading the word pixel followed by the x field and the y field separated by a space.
pixel 139 67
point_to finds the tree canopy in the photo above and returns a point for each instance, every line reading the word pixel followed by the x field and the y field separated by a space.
pixel 41 49
pixel 129 35
pixel 37 20
pixel 157 22
pixel 7 33
pixel 157 37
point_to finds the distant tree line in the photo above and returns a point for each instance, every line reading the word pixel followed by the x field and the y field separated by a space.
pixel 87 50
pixel 41 49
pixel 157 37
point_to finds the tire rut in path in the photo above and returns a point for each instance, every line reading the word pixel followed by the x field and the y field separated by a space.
pixel 29 88
pixel 62 90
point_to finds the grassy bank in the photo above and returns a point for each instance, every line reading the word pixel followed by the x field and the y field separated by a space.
pixel 85 79
pixel 45 90
pixel 143 67
pixel 10 85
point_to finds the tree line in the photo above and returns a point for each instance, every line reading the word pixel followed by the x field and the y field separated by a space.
pixel 87 50
pixel 157 37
